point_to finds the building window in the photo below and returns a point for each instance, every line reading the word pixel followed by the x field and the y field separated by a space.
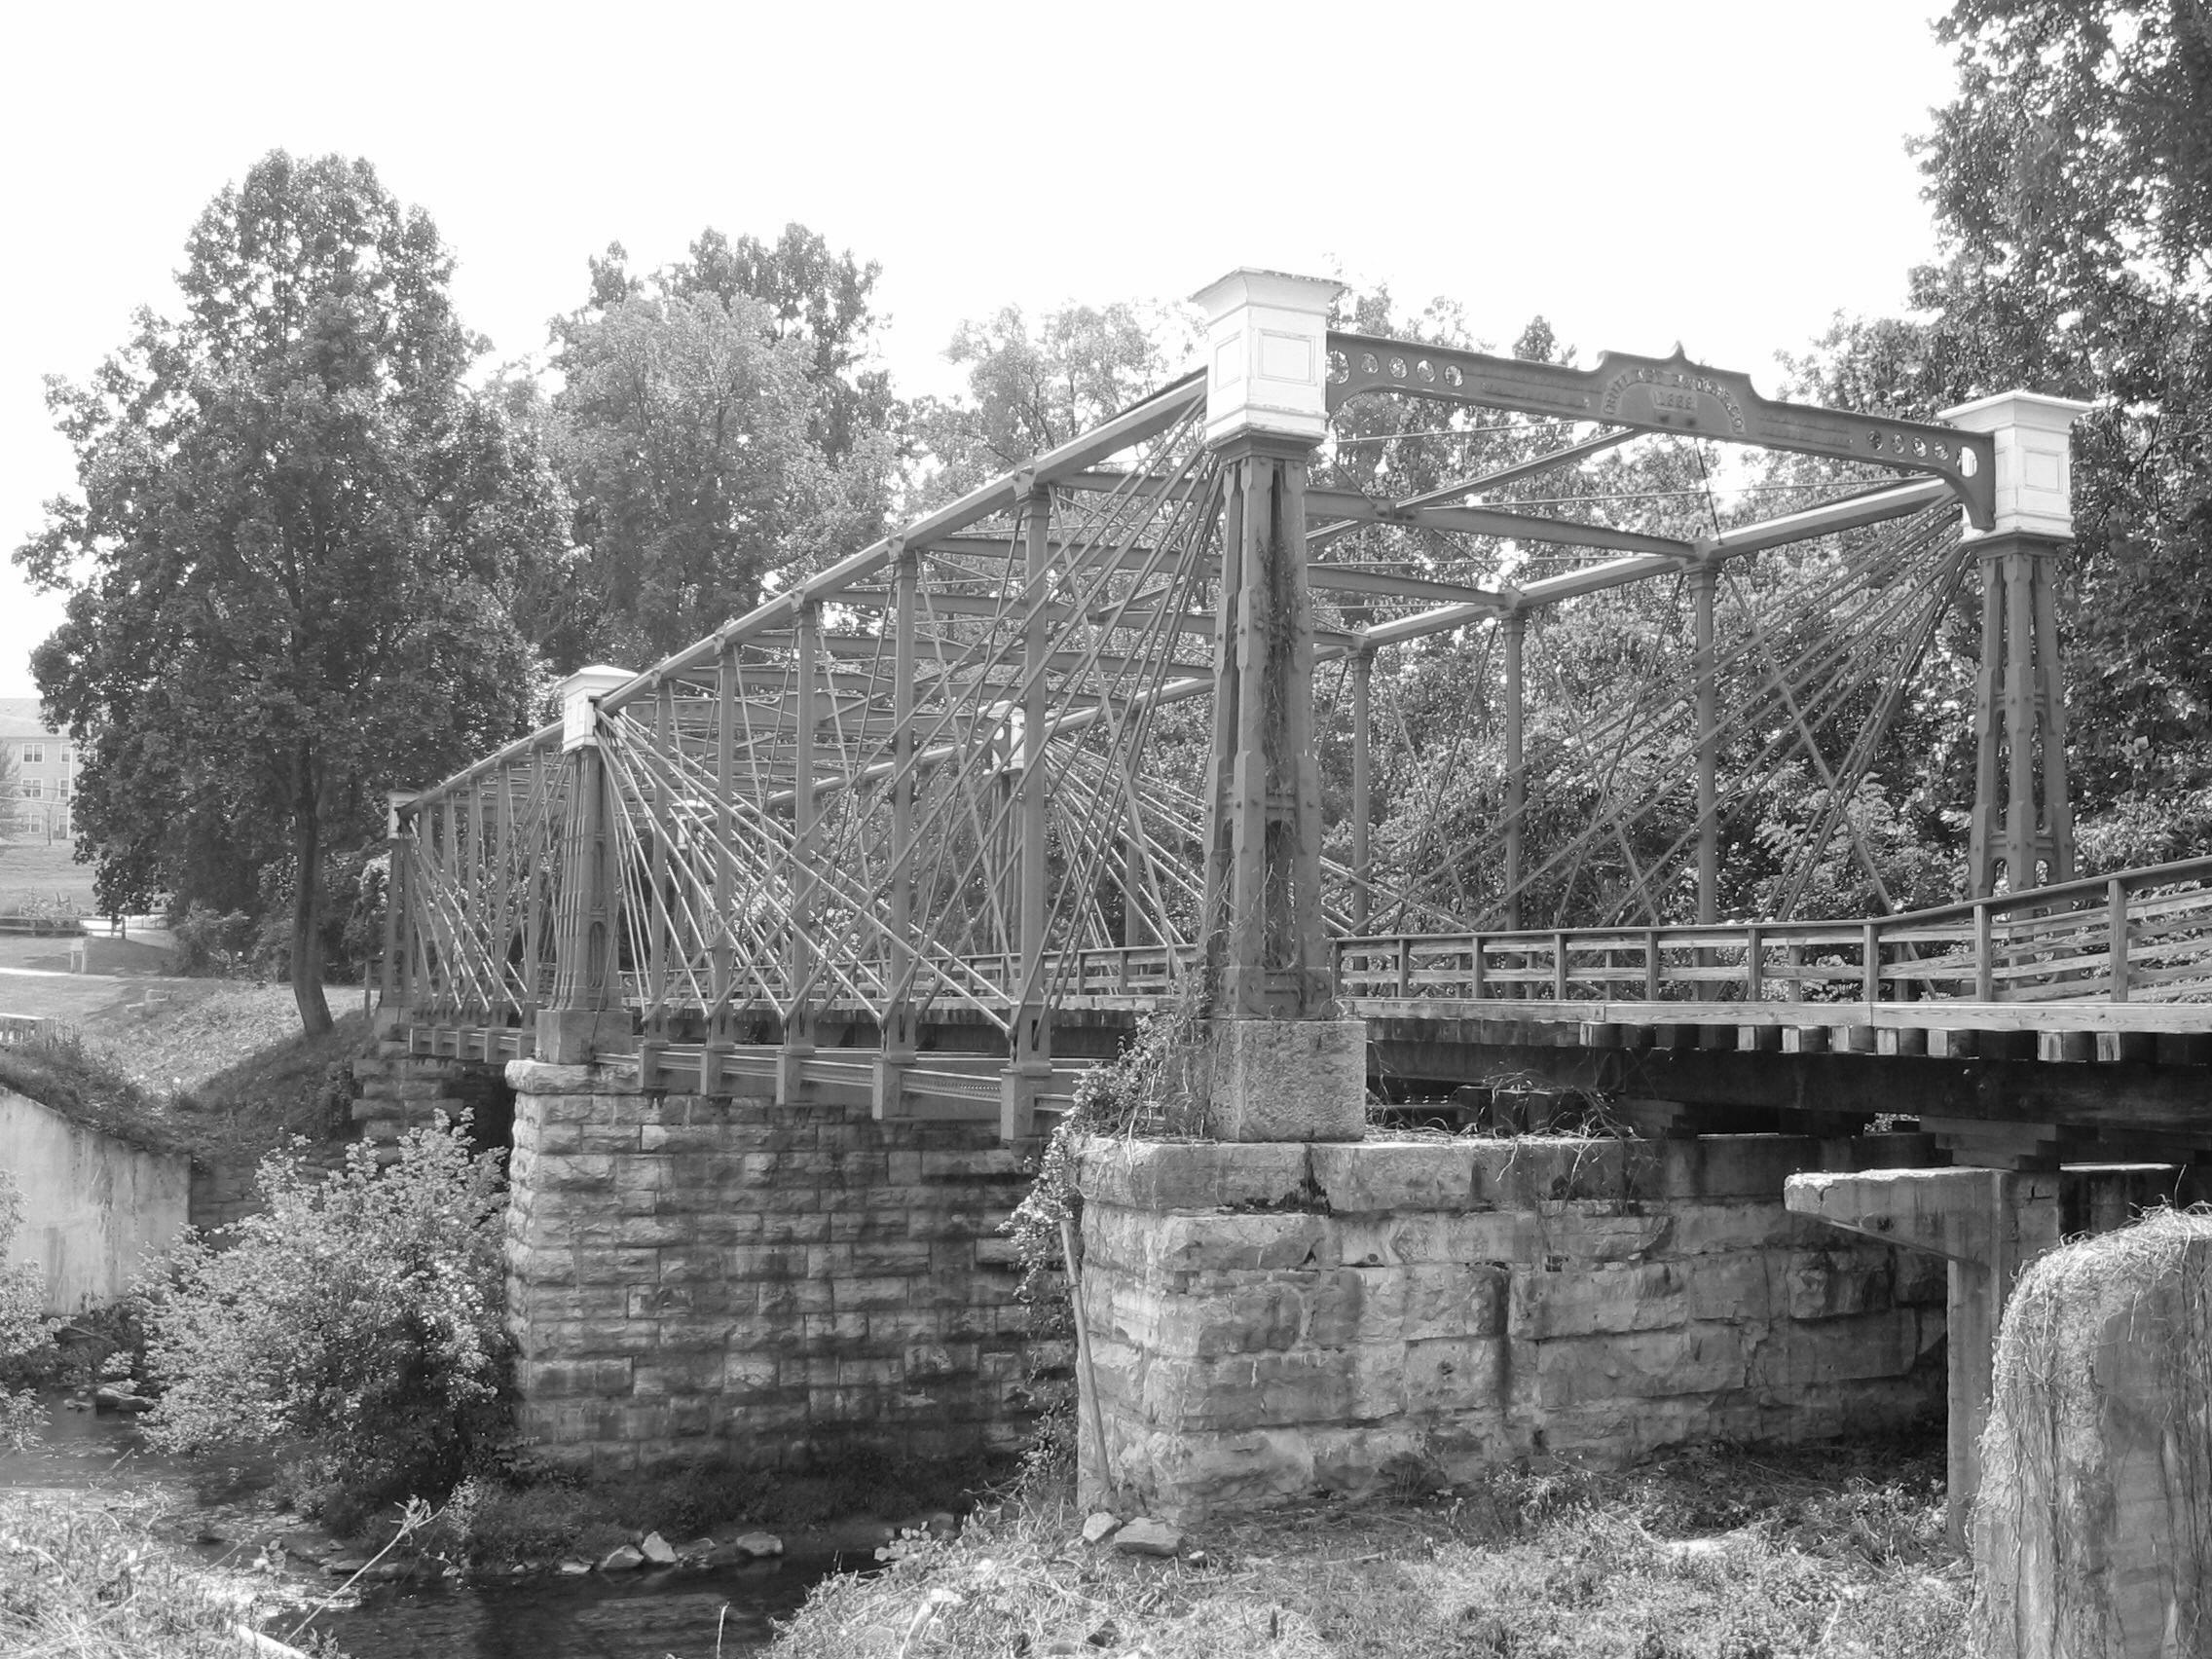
pixel 33 789
pixel 62 789
pixel 68 756
pixel 34 754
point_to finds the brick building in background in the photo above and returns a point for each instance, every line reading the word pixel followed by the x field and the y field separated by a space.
pixel 41 772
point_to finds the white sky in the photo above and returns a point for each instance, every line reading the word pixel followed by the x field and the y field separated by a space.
pixel 1723 172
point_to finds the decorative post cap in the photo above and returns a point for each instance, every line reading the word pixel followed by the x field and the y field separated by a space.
pixel 397 801
pixel 2034 483
pixel 1267 354
pixel 581 692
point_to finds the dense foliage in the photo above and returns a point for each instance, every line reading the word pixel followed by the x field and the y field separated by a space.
pixel 292 558
pixel 22 1327
pixel 2071 178
pixel 716 422
pixel 356 1320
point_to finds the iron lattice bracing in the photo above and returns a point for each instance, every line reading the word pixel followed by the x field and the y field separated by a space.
pixel 974 766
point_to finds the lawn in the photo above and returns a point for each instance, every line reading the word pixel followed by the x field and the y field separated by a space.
pixel 40 876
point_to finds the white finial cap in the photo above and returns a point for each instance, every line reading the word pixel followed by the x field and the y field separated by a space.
pixel 2035 473
pixel 1267 354
pixel 579 728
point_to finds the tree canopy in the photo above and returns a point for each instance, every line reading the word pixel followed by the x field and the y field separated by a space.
pixel 2071 178
pixel 291 558
pixel 716 422
pixel 1032 387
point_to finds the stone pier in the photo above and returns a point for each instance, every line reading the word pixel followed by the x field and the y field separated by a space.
pixel 694 1274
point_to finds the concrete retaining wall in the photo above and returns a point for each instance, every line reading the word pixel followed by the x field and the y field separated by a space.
pixel 93 1207
pixel 690 1274
pixel 1271 1322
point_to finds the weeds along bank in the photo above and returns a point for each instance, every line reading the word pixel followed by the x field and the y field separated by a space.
pixel 1829 1553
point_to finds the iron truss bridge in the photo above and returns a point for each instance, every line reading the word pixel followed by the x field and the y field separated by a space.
pixel 1129 725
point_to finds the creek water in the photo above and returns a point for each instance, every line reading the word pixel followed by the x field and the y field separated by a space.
pixel 718 1613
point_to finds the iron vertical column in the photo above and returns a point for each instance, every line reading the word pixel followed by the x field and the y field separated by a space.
pixel 1283 1067
pixel 797 1046
pixel 1516 625
pixel 899 1010
pixel 2022 813
pixel 586 1012
pixel 728 688
pixel 1985 834
pixel 1029 1051
pixel 1704 579
pixel 398 934
pixel 1362 736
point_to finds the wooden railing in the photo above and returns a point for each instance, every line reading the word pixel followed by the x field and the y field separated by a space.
pixel 2142 934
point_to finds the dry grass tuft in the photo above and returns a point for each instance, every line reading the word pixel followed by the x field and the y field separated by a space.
pixel 1709 1555
pixel 83 1579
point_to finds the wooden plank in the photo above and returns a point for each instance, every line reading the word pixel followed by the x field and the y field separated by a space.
pixel 2070 1047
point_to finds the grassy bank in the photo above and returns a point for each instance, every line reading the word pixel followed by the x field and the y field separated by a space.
pixel 255 1084
pixel 1833 1553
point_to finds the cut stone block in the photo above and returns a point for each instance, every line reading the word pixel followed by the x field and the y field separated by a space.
pixel 1288 1079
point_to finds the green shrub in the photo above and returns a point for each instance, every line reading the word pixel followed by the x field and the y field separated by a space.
pixel 213 943
pixel 355 1319
pixel 1152 1088
pixel 22 1328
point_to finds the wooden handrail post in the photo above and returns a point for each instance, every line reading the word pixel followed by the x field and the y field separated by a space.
pixel 1870 966
pixel 2115 924
pixel 1477 987
pixel 1984 954
pixel 1650 964
pixel 1559 967
pixel 1754 965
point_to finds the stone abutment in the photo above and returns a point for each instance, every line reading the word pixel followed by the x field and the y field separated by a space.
pixel 1272 1322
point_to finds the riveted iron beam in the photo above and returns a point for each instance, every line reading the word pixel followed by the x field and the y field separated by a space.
pixel 1487 521
pixel 1670 394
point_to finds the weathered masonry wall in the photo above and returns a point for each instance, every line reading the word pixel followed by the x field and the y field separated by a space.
pixel 93 1207
pixel 402 1090
pixel 692 1274
pixel 1270 1321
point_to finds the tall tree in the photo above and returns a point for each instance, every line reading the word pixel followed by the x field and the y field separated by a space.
pixel 1030 388
pixel 290 559
pixel 716 422
pixel 2072 182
